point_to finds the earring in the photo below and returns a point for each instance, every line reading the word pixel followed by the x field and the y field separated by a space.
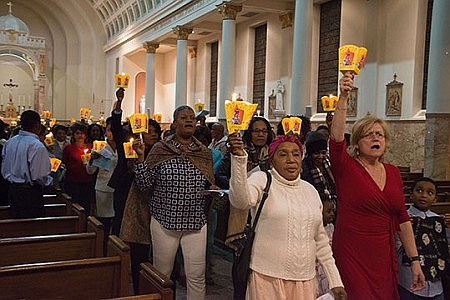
pixel 357 151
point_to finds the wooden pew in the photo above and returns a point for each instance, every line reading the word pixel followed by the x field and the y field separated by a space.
pixel 92 278
pixel 152 280
pixel 51 210
pixel 45 226
pixel 33 249
pixel 57 198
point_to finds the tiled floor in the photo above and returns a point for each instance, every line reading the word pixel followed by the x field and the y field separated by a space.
pixel 222 288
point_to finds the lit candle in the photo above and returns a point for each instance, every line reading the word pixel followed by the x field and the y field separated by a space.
pixel 234 96
pixel 128 149
pixel 258 112
pixel 86 157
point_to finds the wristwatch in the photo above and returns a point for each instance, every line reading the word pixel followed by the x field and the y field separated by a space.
pixel 414 258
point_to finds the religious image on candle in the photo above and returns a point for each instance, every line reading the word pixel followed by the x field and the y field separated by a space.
pixel 122 80
pixel 139 123
pixel 239 114
pixel 128 149
pixel 98 145
pixel 352 58
pixel 54 163
pixel 292 125
pixel 329 102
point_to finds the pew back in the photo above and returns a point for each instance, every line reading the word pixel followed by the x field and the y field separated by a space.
pixel 33 249
pixel 93 278
pixel 152 280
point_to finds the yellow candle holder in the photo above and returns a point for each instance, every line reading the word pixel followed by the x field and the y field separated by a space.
pixel 238 114
pixel 49 140
pixel 54 163
pixel 46 114
pixel 85 113
pixel 292 125
pixel 86 157
pixel 198 107
pixel 352 58
pixel 98 145
pixel 128 149
pixel 157 117
pixel 329 102
pixel 122 80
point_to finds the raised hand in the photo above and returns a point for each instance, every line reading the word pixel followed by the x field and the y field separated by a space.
pixel 346 84
pixel 235 144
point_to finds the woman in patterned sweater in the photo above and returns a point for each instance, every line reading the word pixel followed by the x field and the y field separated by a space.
pixel 176 170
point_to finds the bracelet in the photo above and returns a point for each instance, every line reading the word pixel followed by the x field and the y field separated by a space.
pixel 414 258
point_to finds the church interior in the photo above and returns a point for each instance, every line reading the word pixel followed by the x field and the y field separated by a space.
pixel 63 56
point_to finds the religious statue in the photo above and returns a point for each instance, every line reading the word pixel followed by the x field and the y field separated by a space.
pixel 142 105
pixel 10 111
pixel 279 92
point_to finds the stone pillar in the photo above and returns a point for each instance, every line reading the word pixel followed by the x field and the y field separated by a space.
pixel 227 54
pixel 181 72
pixel 301 57
pixel 150 77
pixel 192 70
pixel 437 145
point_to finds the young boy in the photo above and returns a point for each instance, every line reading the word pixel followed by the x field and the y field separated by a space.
pixel 431 241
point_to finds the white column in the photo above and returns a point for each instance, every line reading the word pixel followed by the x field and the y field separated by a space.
pixel 150 77
pixel 181 71
pixel 301 57
pixel 437 137
pixel 227 57
pixel 438 93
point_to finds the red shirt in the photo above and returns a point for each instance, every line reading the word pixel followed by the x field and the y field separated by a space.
pixel 75 169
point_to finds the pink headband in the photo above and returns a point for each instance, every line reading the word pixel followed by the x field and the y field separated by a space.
pixel 282 139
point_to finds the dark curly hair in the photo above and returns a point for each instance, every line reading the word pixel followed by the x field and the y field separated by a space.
pixel 247 137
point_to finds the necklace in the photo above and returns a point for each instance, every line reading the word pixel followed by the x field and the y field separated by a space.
pixel 376 173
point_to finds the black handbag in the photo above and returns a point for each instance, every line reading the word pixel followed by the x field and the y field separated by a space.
pixel 243 249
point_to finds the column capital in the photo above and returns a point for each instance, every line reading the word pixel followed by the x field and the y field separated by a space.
pixel 192 52
pixel 150 47
pixel 228 10
pixel 286 19
pixel 182 32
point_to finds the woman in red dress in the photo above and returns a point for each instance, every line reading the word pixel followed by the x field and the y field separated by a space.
pixel 371 208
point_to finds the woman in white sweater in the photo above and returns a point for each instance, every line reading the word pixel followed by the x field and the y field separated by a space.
pixel 289 235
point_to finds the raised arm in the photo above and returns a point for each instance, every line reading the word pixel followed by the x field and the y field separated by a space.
pixel 338 125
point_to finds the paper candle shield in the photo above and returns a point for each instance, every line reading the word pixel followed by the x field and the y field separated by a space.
pixel 199 107
pixel 329 103
pixel 239 114
pixel 157 117
pixel 122 80
pixel 85 113
pixel 139 123
pixel 98 145
pixel 54 163
pixel 86 157
pixel 129 151
pixel 49 141
pixel 292 125
pixel 52 122
pixel 352 58
pixel 46 114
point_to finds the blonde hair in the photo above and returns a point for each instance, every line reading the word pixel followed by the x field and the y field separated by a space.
pixel 361 127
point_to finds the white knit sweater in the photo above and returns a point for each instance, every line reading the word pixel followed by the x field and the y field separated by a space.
pixel 289 234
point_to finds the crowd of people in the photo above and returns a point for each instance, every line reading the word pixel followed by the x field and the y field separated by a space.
pixel 334 222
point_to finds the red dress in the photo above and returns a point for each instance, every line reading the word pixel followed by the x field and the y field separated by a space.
pixel 367 218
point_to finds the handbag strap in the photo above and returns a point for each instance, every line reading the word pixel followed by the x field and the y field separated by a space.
pixel 264 197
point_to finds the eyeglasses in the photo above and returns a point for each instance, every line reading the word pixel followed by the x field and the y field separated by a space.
pixel 258 131
pixel 371 135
